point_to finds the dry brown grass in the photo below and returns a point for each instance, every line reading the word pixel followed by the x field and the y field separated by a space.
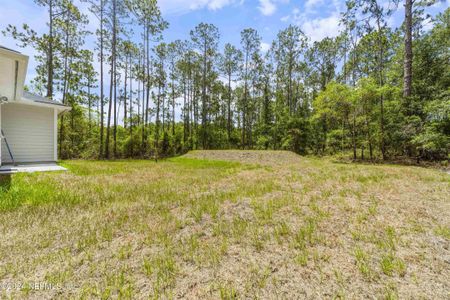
pixel 267 225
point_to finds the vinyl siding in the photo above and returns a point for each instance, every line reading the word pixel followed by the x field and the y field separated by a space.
pixel 29 131
pixel 7 73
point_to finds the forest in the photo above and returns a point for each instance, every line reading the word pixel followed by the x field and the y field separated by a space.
pixel 374 92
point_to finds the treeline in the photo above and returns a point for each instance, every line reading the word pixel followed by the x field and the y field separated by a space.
pixel 373 92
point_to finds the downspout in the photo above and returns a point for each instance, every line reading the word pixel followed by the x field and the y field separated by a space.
pixel 16 75
pixel 2 101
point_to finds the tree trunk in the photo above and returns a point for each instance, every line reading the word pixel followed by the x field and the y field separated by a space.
pixel 138 93
pixel 185 110
pixel 115 111
pixel 369 135
pixel 244 104
pixel 65 88
pixel 125 94
pixel 101 81
pixel 354 136
pixel 157 121
pixel 173 104
pixel 381 82
pixel 131 110
pixel 229 109
pixel 108 126
pixel 89 107
pixel 205 54
pixel 50 53
pixel 408 49
pixel 148 86
pixel 114 44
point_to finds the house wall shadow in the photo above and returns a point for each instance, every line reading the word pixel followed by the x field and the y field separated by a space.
pixel 5 182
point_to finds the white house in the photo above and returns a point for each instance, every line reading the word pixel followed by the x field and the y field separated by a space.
pixel 28 122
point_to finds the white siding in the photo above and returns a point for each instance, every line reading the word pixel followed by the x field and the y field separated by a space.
pixel 7 77
pixel 29 131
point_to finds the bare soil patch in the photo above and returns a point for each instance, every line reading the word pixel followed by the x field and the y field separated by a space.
pixel 277 158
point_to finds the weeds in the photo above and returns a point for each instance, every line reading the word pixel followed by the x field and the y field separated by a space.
pixel 281 231
pixel 306 235
pixel 227 292
pixel 302 258
pixel 390 291
pixel 124 252
pixel 264 211
pixel 362 262
pixel 183 223
pixel 443 232
pixel 162 269
pixel 391 264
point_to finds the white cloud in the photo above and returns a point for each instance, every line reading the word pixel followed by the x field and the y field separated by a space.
pixel 295 12
pixel 310 4
pixel 184 6
pixel 285 19
pixel 265 47
pixel 218 4
pixel 267 7
pixel 317 29
pixel 318 19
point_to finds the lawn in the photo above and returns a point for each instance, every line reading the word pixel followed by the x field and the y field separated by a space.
pixel 226 224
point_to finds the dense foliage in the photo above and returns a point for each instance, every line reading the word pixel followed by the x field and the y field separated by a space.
pixel 345 94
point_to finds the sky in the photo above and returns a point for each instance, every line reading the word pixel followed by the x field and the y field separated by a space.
pixel 317 19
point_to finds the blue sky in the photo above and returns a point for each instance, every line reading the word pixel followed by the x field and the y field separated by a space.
pixel 317 18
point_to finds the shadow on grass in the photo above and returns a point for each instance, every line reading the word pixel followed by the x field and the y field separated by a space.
pixel 5 183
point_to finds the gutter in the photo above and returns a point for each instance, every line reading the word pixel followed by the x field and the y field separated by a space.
pixel 60 107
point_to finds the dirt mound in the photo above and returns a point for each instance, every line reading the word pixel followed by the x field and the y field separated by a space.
pixel 261 157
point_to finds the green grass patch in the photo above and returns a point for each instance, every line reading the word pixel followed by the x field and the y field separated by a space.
pixel 38 189
pixel 391 264
pixel 32 190
pixel 443 231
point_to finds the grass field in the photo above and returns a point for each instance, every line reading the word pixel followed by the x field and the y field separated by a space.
pixel 226 224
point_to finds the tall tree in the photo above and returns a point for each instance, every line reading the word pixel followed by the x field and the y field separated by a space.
pixel 97 8
pixel 230 65
pixel 149 17
pixel 407 84
pixel 205 37
pixel 70 27
pixel 251 43
pixel 290 44
pixel 160 79
pixel 174 52
pixel 322 58
pixel 377 21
